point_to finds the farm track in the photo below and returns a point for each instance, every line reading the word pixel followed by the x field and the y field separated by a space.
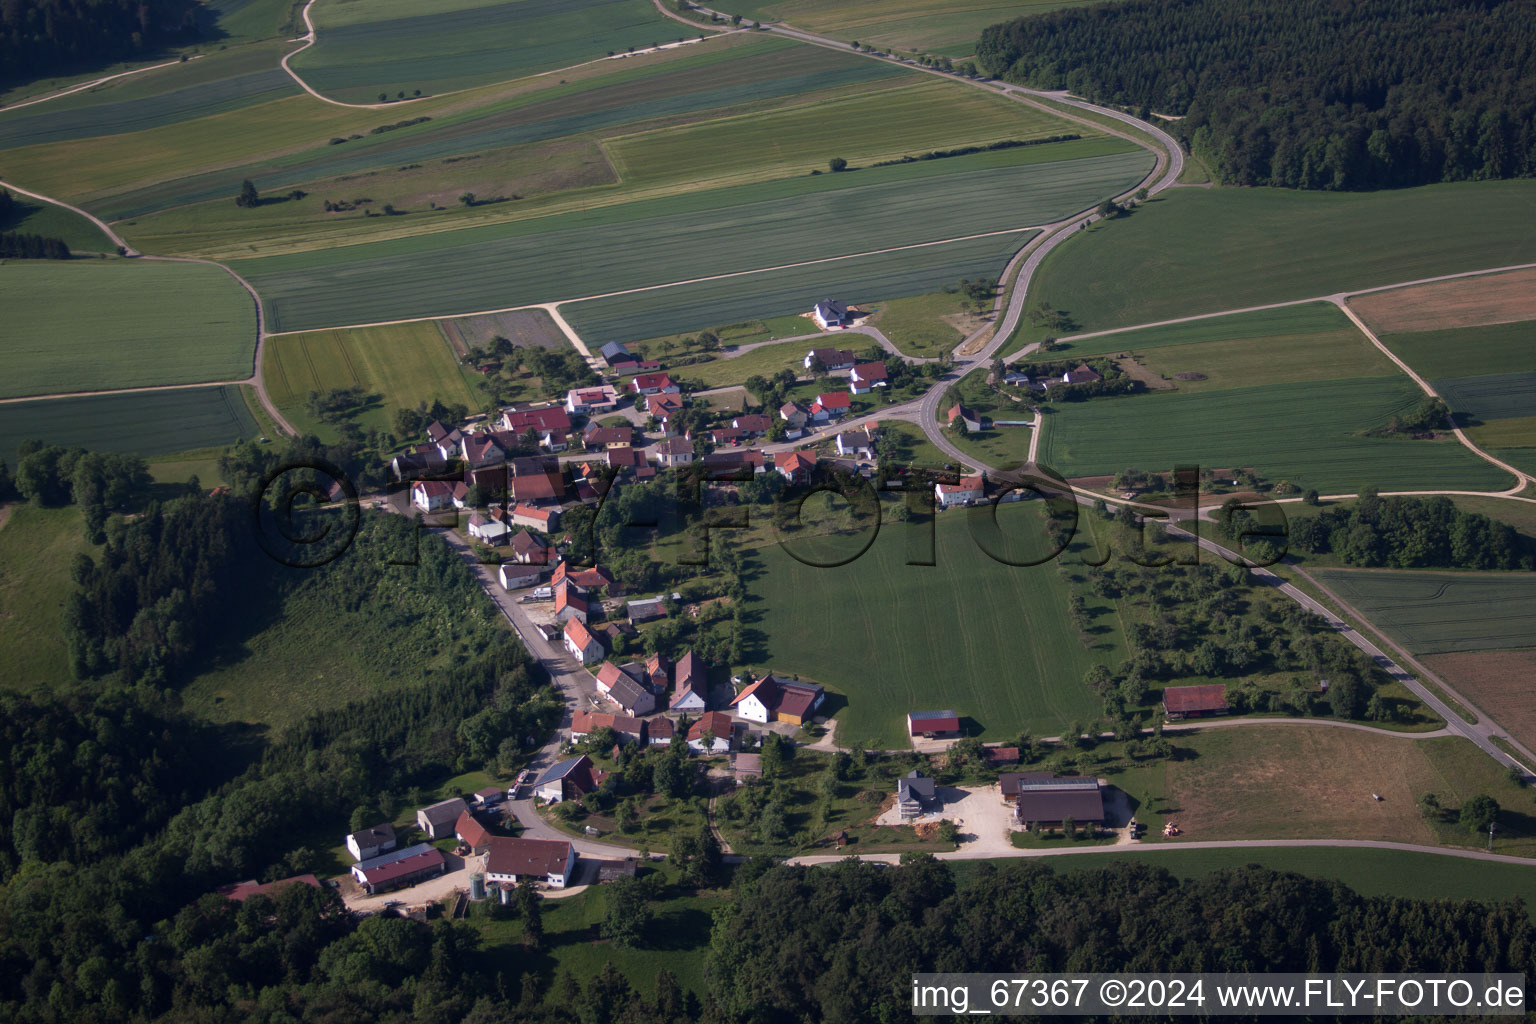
pixel 83 86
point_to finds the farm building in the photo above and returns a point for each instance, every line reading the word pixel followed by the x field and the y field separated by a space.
pixel 932 725
pixel 997 756
pixel 830 313
pixel 631 697
pixel 515 577
pixel 566 780
pixel 242 891
pixel 614 352
pixel 960 414
pixel 471 833
pixel 400 868
pixel 646 610
pixel 1184 701
pixel 770 699
pixel 628 728
pixel 370 842
pixel 490 796
pixel 1043 798
pixel 551 861
pixel 527 549
pixel 437 820
pixel 490 531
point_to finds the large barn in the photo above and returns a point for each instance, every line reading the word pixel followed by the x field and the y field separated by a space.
pixel 1184 701
pixel 1044 798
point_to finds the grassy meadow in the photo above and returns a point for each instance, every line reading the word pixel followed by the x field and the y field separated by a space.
pixel 992 641
pixel 144 422
pixel 404 363
pixel 921 325
pixel 1205 250
pixel 37 546
pixel 364 47
pixel 1438 613
pixel 84 325
pixel 34 218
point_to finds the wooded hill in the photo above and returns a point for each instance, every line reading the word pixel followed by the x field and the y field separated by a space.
pixel 44 37
pixel 1303 93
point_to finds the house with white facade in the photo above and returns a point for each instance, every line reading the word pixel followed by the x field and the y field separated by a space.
pixel 551 861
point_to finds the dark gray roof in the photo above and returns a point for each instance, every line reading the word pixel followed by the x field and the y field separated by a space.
pixel 915 784
pixel 923 716
pixel 626 692
pixel 614 348
pixel 1058 805
pixel 560 770
pixel 445 812
pixel 375 836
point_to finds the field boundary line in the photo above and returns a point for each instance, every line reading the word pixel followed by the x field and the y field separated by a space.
pixel 122 391
pixel 1200 844
pixel 83 86
pixel 671 284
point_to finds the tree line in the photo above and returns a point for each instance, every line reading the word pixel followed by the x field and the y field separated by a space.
pixel 1412 533
pixel 1302 93
pixel 43 37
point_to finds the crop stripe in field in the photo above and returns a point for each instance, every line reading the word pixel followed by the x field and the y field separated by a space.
pixel 346 357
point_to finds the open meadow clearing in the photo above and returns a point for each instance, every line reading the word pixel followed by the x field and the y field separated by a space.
pixel 932 26
pixel 90 325
pixel 143 422
pixel 781 293
pixel 1464 302
pixel 405 364
pixel 1204 250
pixel 1467 351
pixel 1285 782
pixel 665 241
pixel 1438 613
pixel 1311 434
pixel 369 48
pixel 1275 346
pixel 1368 872
pixel 992 641
pixel 924 326
pixel 37 546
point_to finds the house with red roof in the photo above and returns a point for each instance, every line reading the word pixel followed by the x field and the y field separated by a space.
pixel 653 384
pixel 830 406
pixel 584 647
pixel 471 833
pixel 796 467
pixel 586 401
pixel 968 491
pixel 778 700
pixel 691 684
pixel 511 861
pixel 1195 701
pixel 400 868
pixel 432 495
pixel 719 727
pixel 242 891
pixel 663 407
pixel 960 414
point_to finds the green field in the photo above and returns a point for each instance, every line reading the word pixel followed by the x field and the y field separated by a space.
pixel 145 422
pixel 51 221
pixel 669 240
pixel 992 641
pixel 1308 433
pixel 1467 351
pixel 1368 872
pixel 1205 250
pixel 789 292
pixel 948 27
pixel 91 325
pixel 367 47
pixel 405 363
pixel 36 548
pixel 916 324
pixel 1436 613
pixel 1490 397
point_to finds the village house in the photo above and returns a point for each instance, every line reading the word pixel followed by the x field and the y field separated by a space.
pixel 960 414
pixel 471 833
pixel 718 726
pixel 690 680
pixel 754 424
pixel 481 450
pixel 833 405
pixel 432 495
pixel 726 436
pixel 570 605
pixel 658 673
pixel 487 530
pixel 527 549
pixel 865 377
pixel 400 868
pixel 590 400
pixel 1080 374
pixel 1044 798
pixel 511 861
pixel 418 463
pixel 831 358
pixel 545 520
pixel 1195 701
pixel 968 491
pixel 794 417
pixel 830 313
pixel 567 780
pixel 370 842
pixel 584 647
pixel 660 731
pixel 537 481
pixel 629 728
pixel 932 725
pixel 653 384
pixel 795 467
pixel 596 439
pixel 663 408
pixel 916 795
pixel 437 433
pixel 626 460
pixel 859 444
pixel 515 576
pixel 438 819
pixel 770 699
pixel 672 450
pixel 544 420
pixel 631 697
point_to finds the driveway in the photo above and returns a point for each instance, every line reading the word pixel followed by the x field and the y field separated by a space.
pixel 980 814
pixel 433 890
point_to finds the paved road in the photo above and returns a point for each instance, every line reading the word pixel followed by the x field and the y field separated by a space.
pixel 1163 846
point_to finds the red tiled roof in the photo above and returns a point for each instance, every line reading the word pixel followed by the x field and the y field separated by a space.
pixel 652 380
pixel 1184 699
pixel 835 400
pixel 609 674
pixel 717 722
pixel 870 371
pixel 578 634
pixel 470 830
pixel 428 858
pixel 527 856
pixel 662 406
pixel 552 417
pixel 245 890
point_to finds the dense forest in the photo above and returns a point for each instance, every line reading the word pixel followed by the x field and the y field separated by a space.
pixel 1306 94
pixel 46 37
